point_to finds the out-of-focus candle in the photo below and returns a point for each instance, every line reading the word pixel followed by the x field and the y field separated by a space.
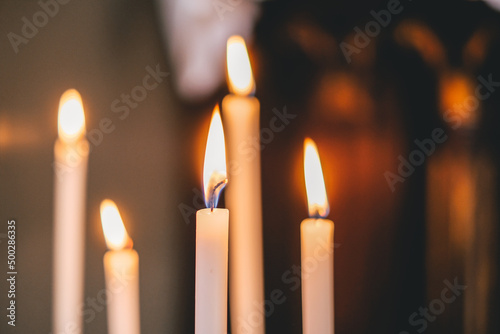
pixel 212 234
pixel 121 269
pixel 316 250
pixel 70 178
pixel 241 112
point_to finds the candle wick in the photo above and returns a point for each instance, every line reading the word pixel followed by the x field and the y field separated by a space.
pixel 214 195
pixel 316 213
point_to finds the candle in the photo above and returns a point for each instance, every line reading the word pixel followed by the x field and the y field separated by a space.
pixel 121 269
pixel 241 113
pixel 212 226
pixel 316 250
pixel 70 175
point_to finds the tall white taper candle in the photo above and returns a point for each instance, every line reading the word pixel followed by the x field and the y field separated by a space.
pixel 70 178
pixel 316 236
pixel 121 270
pixel 212 231
pixel 241 114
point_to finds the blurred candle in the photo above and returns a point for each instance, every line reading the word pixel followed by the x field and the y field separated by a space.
pixel 70 177
pixel 212 234
pixel 316 250
pixel 241 113
pixel 121 270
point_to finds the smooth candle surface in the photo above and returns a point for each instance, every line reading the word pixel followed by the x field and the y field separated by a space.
pixel 69 234
pixel 211 271
pixel 121 269
pixel 243 199
pixel 317 276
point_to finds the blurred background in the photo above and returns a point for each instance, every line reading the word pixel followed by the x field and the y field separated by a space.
pixel 401 97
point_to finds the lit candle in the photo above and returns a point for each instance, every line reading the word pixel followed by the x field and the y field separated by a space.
pixel 212 226
pixel 316 250
pixel 241 113
pixel 121 270
pixel 70 177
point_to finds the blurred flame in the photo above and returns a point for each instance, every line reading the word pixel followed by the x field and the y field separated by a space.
pixel 114 231
pixel 476 49
pixel 239 70
pixel 71 120
pixel 456 91
pixel 416 34
pixel 214 168
pixel 315 184
pixel 341 96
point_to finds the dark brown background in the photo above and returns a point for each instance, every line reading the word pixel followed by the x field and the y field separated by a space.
pixel 363 115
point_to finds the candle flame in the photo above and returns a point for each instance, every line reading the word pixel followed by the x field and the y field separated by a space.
pixel 71 119
pixel 214 168
pixel 114 231
pixel 315 183
pixel 239 70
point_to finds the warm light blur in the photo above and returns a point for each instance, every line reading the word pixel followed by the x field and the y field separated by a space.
pixel 342 96
pixel 71 120
pixel 214 168
pixel 420 37
pixel 239 70
pixel 455 92
pixel 315 184
pixel 476 49
pixel 114 231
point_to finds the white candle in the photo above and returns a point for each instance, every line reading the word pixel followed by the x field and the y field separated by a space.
pixel 212 239
pixel 316 250
pixel 70 168
pixel 241 114
pixel 121 269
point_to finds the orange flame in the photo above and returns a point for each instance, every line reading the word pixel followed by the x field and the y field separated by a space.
pixel 114 231
pixel 315 183
pixel 71 118
pixel 214 168
pixel 239 70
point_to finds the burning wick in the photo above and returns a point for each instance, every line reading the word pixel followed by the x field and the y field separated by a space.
pixel 316 214
pixel 215 193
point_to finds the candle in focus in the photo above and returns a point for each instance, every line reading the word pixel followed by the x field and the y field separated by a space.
pixel 121 269
pixel 212 234
pixel 241 113
pixel 70 177
pixel 316 235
